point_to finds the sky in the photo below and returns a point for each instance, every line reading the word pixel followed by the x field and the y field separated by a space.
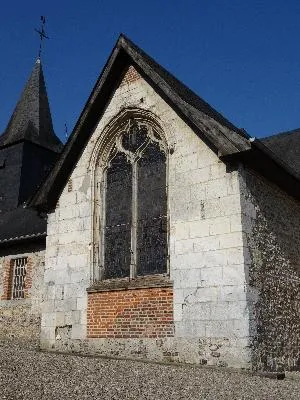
pixel 242 57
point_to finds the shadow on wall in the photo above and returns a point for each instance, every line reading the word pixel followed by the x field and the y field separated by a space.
pixel 274 245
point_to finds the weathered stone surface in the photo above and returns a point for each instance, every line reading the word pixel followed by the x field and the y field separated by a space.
pixel 272 222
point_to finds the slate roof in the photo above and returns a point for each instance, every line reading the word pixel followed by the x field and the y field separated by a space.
pixel 286 145
pixel 31 119
pixel 21 224
pixel 229 142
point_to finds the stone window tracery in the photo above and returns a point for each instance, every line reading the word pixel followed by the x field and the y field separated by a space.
pixel 134 232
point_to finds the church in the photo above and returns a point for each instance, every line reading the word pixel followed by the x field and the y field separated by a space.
pixel 160 231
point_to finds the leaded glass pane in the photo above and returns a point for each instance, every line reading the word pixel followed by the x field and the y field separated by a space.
pixel 151 212
pixel 135 137
pixel 117 235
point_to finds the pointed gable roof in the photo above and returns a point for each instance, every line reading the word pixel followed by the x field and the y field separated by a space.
pixel 31 119
pixel 228 141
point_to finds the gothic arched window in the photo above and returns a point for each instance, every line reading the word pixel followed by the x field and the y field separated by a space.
pixel 135 204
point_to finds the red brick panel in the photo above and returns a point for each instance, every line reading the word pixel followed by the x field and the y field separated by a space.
pixel 131 76
pixel 7 279
pixel 138 313
pixel 28 278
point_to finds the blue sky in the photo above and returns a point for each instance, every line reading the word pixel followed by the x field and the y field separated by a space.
pixel 242 57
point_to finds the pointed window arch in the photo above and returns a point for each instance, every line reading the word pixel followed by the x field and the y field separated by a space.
pixel 133 232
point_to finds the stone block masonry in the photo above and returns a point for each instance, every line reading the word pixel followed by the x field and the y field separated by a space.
pixel 145 313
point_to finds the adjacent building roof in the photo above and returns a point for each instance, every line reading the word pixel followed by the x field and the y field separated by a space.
pixel 21 224
pixel 286 145
pixel 228 141
pixel 31 119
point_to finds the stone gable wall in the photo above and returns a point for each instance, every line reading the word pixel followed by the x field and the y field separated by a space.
pixel 205 248
pixel 271 220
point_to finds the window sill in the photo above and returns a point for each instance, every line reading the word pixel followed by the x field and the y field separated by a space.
pixel 141 282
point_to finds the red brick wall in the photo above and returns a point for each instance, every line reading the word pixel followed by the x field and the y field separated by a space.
pixel 7 279
pixel 144 313
pixel 7 272
pixel 131 76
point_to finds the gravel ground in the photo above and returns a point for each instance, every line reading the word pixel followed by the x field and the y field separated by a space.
pixel 28 374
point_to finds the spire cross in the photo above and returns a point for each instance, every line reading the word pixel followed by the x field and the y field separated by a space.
pixel 42 34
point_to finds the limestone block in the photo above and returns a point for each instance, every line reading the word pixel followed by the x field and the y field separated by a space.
pixel 59 291
pixel 214 258
pixel 198 192
pixel 184 246
pixel 218 170
pixel 189 329
pixel 177 312
pixel 215 329
pixel 47 333
pixel 52 228
pixel 81 276
pixel 83 318
pixel 232 293
pixel 82 303
pixel 233 186
pixel 181 231
pixel 230 205
pixel 199 228
pixel 212 208
pixel 185 277
pixel 193 177
pixel 219 226
pixel 60 318
pixel 238 310
pixel 198 295
pixel 207 243
pixel 74 290
pixel 65 305
pixel 186 162
pixel 207 157
pixel 216 188
pixel 241 327
pixel 234 239
pixel 235 223
pixel 78 332
pixel 233 275
pixel 67 199
pixel 187 260
pixel 68 212
pixel 235 255
pixel 180 194
pixel 211 276
pixel 219 311
pixel 51 251
pixel 196 311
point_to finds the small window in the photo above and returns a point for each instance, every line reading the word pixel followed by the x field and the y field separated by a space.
pixel 19 274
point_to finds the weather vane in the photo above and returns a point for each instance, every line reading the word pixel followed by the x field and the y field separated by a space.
pixel 42 33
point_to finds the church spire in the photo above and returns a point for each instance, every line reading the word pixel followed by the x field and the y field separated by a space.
pixel 31 119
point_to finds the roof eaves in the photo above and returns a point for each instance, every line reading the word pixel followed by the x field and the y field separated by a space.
pixel 22 238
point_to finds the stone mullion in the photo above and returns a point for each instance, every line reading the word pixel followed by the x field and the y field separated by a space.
pixel 133 266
